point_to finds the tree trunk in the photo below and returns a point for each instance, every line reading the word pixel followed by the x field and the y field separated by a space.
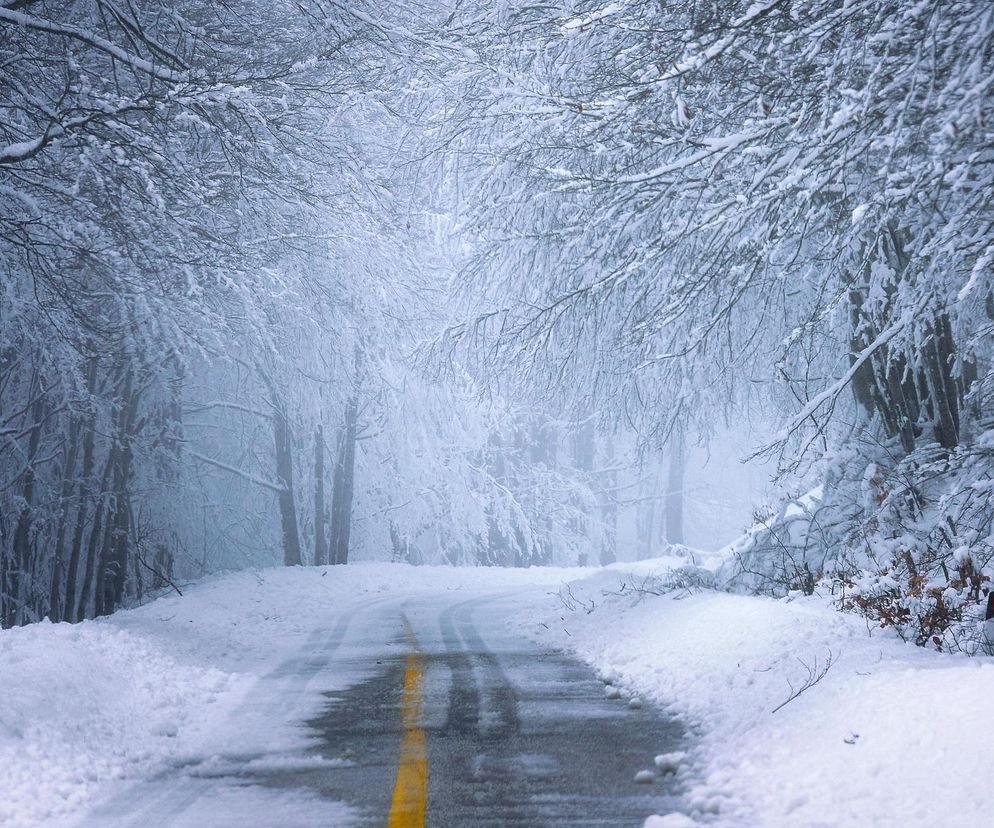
pixel 19 584
pixel 283 441
pixel 900 387
pixel 55 593
pixel 320 544
pixel 609 508
pixel 341 500
pixel 398 544
pixel 942 387
pixel 648 512
pixel 114 571
pixel 674 490
pixel 89 435
pixel 93 548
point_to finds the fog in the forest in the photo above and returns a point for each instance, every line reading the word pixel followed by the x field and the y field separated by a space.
pixel 498 285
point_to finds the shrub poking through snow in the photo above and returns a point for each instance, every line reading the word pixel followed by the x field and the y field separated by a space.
pixel 908 543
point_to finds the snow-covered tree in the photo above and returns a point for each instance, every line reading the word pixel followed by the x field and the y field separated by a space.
pixel 686 208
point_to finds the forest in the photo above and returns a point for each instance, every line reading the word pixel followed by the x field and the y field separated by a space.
pixel 460 282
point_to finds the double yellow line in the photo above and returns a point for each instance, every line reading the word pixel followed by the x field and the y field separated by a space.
pixel 410 791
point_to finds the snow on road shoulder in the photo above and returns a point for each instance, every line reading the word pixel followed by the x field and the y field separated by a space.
pixel 85 703
pixel 86 708
pixel 890 735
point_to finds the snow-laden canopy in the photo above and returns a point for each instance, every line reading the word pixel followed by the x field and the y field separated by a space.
pixel 448 281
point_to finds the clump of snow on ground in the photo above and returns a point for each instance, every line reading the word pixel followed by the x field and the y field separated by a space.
pixel 82 704
pixel 890 735
pixel 670 762
pixel 671 821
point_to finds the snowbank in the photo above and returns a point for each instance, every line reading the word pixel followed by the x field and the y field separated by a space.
pixel 891 735
pixel 82 703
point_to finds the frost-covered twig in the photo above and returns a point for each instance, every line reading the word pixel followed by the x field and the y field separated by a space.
pixel 815 675
pixel 572 602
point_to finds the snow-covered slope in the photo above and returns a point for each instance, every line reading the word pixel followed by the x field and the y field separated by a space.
pixel 891 735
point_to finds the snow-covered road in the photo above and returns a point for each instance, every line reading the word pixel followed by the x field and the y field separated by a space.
pixel 515 734
pixel 510 732
pixel 395 695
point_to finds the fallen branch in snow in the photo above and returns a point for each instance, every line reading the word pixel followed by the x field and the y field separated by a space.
pixel 815 674
pixel 572 602
pixel 645 586
pixel 685 580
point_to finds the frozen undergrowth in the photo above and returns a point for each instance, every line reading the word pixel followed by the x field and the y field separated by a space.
pixel 906 542
pixel 890 735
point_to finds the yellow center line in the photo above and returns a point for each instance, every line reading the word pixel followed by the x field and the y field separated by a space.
pixel 410 791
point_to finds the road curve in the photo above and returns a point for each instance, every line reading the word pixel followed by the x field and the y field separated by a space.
pixel 454 721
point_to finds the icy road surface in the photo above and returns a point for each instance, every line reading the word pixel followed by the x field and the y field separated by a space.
pixel 434 712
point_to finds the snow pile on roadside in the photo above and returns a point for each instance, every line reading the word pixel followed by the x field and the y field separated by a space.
pixel 891 735
pixel 82 703
pixel 124 696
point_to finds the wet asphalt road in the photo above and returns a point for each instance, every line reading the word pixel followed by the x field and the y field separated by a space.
pixel 516 735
